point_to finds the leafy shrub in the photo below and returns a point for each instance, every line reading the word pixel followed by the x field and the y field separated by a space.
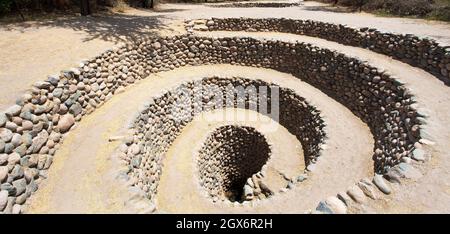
pixel 401 7
pixel 5 6
pixel 353 3
pixel 441 13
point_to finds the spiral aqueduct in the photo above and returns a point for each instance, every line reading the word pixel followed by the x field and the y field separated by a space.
pixel 241 165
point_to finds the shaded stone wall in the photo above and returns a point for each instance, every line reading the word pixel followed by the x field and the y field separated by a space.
pixel 162 120
pixel 255 4
pixel 421 52
pixel 230 156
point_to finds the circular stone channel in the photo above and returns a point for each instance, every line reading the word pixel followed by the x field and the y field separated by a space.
pixel 230 156
pixel 254 4
pixel 164 117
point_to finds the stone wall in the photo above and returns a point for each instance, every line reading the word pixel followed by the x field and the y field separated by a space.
pixel 255 4
pixel 32 129
pixel 164 117
pixel 421 52
pixel 230 156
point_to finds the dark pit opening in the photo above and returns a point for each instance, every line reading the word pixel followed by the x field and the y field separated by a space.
pixel 229 156
pixel 157 129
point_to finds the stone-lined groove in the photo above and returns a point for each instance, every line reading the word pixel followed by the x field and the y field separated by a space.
pixel 421 52
pixel 255 4
pixel 157 126
pixel 52 106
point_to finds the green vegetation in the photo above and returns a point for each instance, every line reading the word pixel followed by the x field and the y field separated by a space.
pixel 428 9
pixel 442 12
pixel 5 6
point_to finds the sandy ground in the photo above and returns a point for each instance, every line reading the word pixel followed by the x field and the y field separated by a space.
pixel 31 51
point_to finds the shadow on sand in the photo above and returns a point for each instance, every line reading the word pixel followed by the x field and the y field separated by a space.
pixel 108 27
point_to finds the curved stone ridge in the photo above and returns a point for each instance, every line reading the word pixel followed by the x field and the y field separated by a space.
pixel 31 130
pixel 421 52
pixel 230 156
pixel 163 118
